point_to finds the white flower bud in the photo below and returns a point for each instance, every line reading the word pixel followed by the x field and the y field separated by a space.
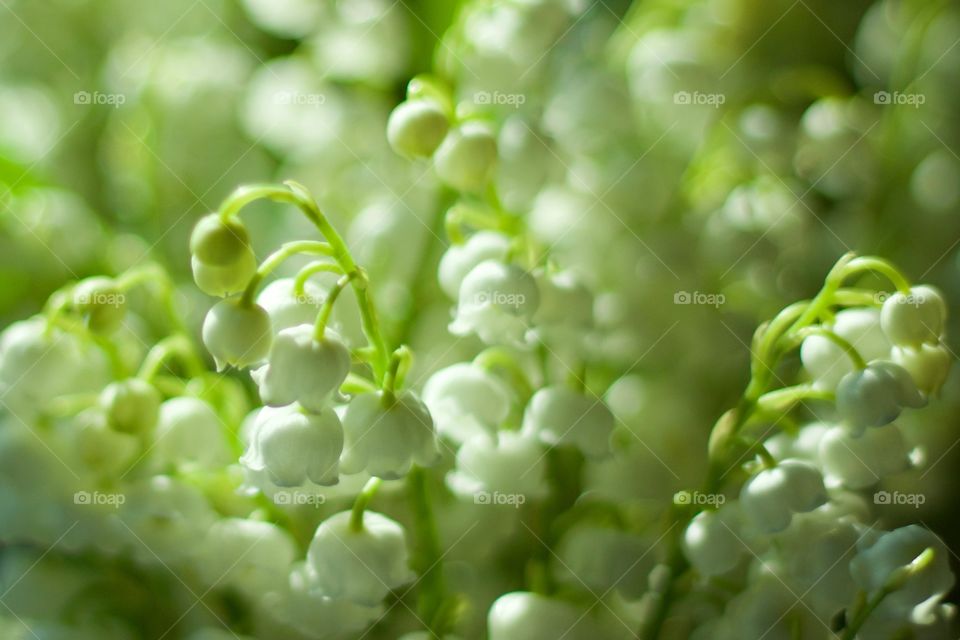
pixel 771 497
pixel 928 365
pixel 460 259
pixel 912 319
pixel 466 401
pixel 189 433
pixel 875 566
pixel 386 438
pixel 250 555
pixel 101 302
pixel 359 566
pixel 858 462
pixel 237 335
pixel 219 243
pixel 466 157
pixel 131 405
pixel 417 127
pixel 534 617
pixel 875 396
pixel 222 281
pixel 302 369
pixel 496 303
pixel 285 308
pixel 559 415
pixel 293 446
pixel 826 361
pixel 508 463
pixel 713 541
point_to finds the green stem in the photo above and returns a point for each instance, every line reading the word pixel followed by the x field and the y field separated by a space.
pixel 858 361
pixel 275 259
pixel 175 346
pixel 323 317
pixel 784 399
pixel 399 364
pixel 300 282
pixel 877 265
pixel 428 555
pixel 360 504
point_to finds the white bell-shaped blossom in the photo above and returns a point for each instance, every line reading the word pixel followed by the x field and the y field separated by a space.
pixel 467 156
pixel 860 461
pixel 37 365
pixel 236 334
pixel 189 433
pixel 301 368
pixel 875 396
pixel 417 127
pixel 560 415
pixel 360 566
pixel 223 280
pixel 507 464
pixel 713 541
pixel 131 405
pixel 826 361
pixel 771 497
pixel 293 446
pixel 302 606
pixel 565 314
pixel 928 365
pixel 874 567
pixel 465 400
pixel 250 555
pixel 530 616
pixel 460 259
pixel 385 437
pixel 496 302
pixel 287 308
pixel 915 318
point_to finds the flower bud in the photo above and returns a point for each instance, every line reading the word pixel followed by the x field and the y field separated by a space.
pixel 928 365
pixel 131 405
pixel 459 260
pixel 250 555
pixel 466 157
pixel 509 464
pixel 223 281
pixel 826 361
pixel 875 396
pixel 465 401
pixel 770 498
pixel 386 437
pixel 915 318
pixel 534 617
pixel 359 566
pixel 219 243
pixel 496 302
pixel 102 303
pixel 861 461
pixel 293 446
pixel 237 335
pixel 712 541
pixel 560 415
pixel 417 127
pixel 302 369
pixel 189 433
